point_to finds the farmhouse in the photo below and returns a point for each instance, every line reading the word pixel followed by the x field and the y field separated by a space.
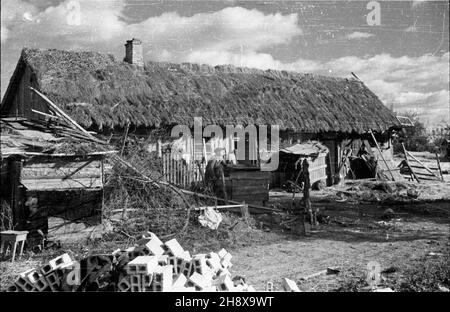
pixel 109 96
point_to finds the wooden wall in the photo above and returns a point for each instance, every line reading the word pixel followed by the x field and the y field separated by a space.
pixel 24 99
pixel 72 199
pixel 50 173
pixel 4 180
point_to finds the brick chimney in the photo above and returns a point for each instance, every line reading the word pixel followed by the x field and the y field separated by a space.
pixel 133 52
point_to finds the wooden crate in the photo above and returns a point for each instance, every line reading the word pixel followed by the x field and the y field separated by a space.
pixel 249 185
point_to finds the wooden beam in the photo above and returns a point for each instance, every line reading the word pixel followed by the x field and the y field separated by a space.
pixel 44 114
pixel 65 116
pixel 381 154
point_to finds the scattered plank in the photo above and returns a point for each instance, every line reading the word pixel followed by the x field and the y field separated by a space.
pixel 44 114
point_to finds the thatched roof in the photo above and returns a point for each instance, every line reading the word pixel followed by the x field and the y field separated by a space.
pixel 97 90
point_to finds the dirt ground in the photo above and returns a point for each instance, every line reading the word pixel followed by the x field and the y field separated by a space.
pixel 357 234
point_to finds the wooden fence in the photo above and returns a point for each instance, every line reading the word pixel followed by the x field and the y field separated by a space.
pixel 180 172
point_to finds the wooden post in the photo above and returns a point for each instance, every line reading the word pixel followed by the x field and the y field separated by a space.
pixel 298 227
pixel 381 154
pixel 244 212
pixel 16 196
pixel 159 148
pixel 306 191
pixel 295 189
pixel 407 163
pixel 439 166
pixel 224 189
pixel 164 166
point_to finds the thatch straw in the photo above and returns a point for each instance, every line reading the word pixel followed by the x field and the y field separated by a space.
pixel 113 93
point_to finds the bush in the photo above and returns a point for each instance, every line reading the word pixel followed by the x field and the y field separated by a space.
pixel 152 207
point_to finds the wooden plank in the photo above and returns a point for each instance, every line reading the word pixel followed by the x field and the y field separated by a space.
pixel 420 167
pixel 249 183
pixel 52 164
pixel 249 190
pixel 58 184
pixel 62 113
pixel 164 165
pixel 59 172
pixel 428 179
pixel 61 177
pixel 425 174
pixel 44 114
pixel 62 171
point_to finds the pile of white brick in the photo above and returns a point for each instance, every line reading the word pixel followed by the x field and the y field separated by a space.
pixel 49 276
pixel 158 266
pixel 150 265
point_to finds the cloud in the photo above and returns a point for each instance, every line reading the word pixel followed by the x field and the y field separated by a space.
pixel 406 82
pixel 229 29
pixel 357 35
pixel 11 14
pixel 77 21
pixel 227 32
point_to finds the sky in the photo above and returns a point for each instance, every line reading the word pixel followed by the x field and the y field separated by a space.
pixel 399 49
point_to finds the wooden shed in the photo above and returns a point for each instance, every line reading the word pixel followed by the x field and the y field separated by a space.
pixel 290 161
pixel 46 173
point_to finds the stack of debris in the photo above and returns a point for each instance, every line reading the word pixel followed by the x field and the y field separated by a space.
pixel 150 265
